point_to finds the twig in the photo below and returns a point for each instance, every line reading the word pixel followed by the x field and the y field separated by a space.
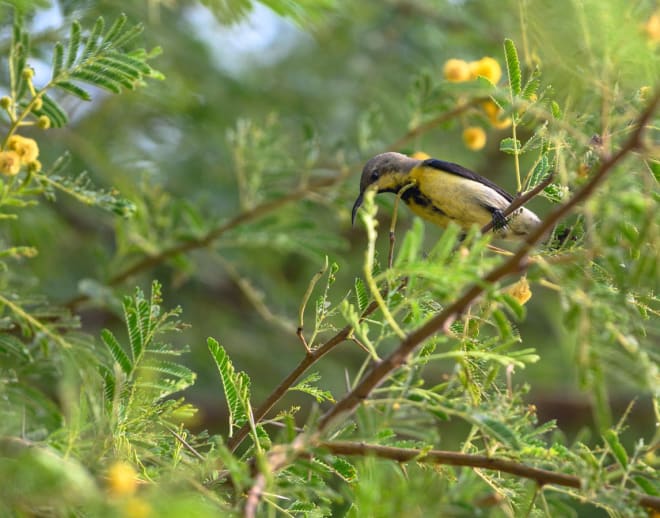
pixel 308 360
pixel 436 121
pixel 185 443
pixel 540 476
pixel 520 201
pixel 518 262
pixel 308 293
pixel 201 242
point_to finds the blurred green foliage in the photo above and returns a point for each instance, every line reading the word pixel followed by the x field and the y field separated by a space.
pixel 226 169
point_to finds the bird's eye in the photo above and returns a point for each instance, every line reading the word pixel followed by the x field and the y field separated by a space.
pixel 374 176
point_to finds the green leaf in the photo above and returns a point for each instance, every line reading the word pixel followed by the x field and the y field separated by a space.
pixel 539 172
pixel 617 449
pixel 532 85
pixel 344 469
pixel 361 294
pixel 502 323
pixel 647 486
pixel 512 66
pixel 128 35
pixel 74 89
pixel 92 43
pixel 74 44
pixel 58 59
pixel 307 386
pixel 235 385
pixel 554 193
pixel 117 351
pixel 135 337
pixel 115 30
pixel 411 245
pixel 516 307
pixel 99 80
pixel 556 110
pixel 497 430
pixel 510 146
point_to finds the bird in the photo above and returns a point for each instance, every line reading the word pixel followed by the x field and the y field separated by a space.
pixel 444 192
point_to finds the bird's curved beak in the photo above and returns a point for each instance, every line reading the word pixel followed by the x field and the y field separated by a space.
pixel 356 206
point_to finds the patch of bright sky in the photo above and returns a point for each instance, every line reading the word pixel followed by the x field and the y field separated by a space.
pixel 263 38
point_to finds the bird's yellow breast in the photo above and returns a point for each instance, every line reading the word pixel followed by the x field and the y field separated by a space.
pixel 441 197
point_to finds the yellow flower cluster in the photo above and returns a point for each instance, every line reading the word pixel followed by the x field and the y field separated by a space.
pixel 458 71
pixel 19 152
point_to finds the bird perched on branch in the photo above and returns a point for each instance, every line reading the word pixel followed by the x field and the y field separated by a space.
pixel 442 192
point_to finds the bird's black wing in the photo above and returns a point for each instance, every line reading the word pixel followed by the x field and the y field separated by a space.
pixel 456 169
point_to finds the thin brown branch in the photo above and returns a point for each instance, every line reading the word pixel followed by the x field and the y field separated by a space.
pixel 433 123
pixel 451 458
pixel 207 239
pixel 517 263
pixel 520 201
pixel 310 358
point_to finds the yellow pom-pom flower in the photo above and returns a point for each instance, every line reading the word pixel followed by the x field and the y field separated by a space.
pixel 474 138
pixel 486 67
pixel 456 70
pixel 493 113
pixel 43 122
pixel 420 155
pixel 10 163
pixel 652 27
pixel 122 479
pixel 520 291
pixel 25 148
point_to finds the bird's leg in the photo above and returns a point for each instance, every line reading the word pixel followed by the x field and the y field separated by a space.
pixel 499 219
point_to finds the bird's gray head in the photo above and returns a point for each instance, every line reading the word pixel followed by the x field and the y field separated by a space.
pixel 385 173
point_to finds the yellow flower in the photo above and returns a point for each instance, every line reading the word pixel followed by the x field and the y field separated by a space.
pixel 420 155
pixel 34 166
pixel 26 148
pixel 488 68
pixel 122 479
pixel 520 291
pixel 474 138
pixel 493 113
pixel 137 508
pixel 10 163
pixel 652 27
pixel 456 70
pixel 43 122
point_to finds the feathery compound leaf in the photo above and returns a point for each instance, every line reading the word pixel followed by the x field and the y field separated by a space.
pixel 307 387
pixel 74 44
pixel 81 188
pixel 361 294
pixel 539 172
pixel 532 85
pixel 128 35
pixel 135 337
pixel 512 66
pixel 233 384
pixel 117 351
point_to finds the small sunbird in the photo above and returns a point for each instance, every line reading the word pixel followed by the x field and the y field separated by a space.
pixel 442 192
